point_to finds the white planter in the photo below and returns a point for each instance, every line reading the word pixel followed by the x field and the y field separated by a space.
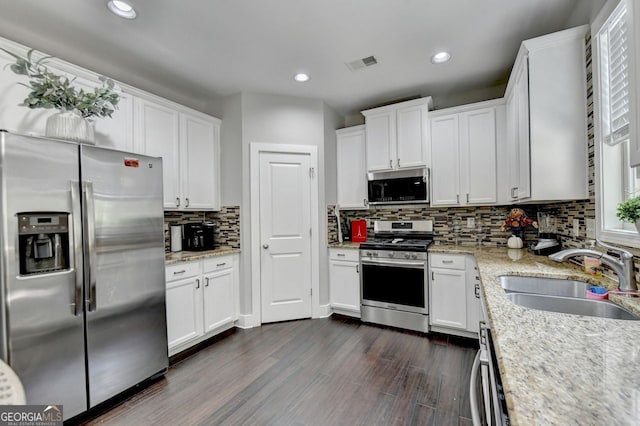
pixel 69 125
pixel 637 224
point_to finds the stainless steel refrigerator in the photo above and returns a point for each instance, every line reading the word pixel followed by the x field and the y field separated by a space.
pixel 82 270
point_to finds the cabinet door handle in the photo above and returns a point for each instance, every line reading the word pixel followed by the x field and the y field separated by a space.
pixel 177 201
pixel 513 190
pixel 197 282
pixel 467 198
pixel 365 202
pixel 220 264
pixel 180 272
pixel 477 290
pixel 341 255
pixel 398 162
pixel 186 202
pixel 433 277
pixel 206 282
pixel 447 261
pixel 391 164
pixel 357 269
pixel 457 198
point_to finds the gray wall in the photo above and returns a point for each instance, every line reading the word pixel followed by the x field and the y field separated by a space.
pixel 262 118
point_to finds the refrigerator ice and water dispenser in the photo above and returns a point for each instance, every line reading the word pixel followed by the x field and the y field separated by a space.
pixel 43 241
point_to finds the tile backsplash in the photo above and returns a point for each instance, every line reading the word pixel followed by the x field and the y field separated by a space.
pixel 444 220
pixel 226 230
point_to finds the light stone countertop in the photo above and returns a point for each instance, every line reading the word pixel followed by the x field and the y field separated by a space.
pixel 559 369
pixel 188 256
pixel 345 244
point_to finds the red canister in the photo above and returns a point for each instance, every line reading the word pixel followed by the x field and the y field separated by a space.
pixel 358 231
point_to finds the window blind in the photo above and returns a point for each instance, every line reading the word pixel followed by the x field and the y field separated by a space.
pixel 614 48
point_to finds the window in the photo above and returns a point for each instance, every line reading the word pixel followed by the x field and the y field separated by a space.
pixel 612 76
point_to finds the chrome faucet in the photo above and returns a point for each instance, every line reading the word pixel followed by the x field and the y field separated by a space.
pixel 623 267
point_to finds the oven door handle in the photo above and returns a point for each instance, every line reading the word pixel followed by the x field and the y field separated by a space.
pixel 475 410
pixel 416 265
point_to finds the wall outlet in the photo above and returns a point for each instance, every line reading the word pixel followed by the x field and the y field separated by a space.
pixel 576 227
pixel 591 229
pixel 471 222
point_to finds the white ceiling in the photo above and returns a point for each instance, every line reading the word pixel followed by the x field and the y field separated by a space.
pixel 197 51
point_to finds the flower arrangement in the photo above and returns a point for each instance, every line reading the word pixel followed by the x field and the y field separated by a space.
pixel 629 210
pixel 49 90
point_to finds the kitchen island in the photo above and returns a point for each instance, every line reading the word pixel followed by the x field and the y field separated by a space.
pixel 558 368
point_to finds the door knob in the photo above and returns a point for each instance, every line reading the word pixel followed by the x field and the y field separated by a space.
pixel 265 246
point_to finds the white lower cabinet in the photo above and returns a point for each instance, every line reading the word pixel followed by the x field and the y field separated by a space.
pixel 201 300
pixel 344 281
pixel 453 305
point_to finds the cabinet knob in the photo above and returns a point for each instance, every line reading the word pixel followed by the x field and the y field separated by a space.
pixel 513 192
pixel 265 246
pixel 365 202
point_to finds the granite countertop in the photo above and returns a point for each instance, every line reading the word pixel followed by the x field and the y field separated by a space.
pixel 559 368
pixel 187 256
pixel 345 244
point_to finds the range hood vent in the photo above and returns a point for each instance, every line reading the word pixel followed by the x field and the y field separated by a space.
pixel 362 63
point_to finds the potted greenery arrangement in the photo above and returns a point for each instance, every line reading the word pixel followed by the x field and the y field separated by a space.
pixel 76 107
pixel 629 211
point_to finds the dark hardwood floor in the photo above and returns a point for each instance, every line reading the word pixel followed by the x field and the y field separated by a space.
pixel 333 371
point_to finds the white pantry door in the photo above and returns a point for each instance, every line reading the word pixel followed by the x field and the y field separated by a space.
pixel 285 236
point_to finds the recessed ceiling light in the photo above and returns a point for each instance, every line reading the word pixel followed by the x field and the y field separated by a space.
pixel 440 57
pixel 121 8
pixel 301 77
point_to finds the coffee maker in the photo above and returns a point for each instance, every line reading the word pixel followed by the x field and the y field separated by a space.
pixel 43 241
pixel 547 234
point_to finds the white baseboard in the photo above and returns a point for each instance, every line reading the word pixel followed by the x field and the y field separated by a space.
pixel 324 311
pixel 246 321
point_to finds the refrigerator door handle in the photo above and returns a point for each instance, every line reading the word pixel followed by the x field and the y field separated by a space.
pixel 90 227
pixel 77 244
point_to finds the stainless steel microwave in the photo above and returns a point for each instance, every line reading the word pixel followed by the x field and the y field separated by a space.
pixel 399 187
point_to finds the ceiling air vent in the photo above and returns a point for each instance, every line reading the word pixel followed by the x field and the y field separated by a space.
pixel 362 63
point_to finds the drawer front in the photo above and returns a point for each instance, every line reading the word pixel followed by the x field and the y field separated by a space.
pixel 182 270
pixel 217 263
pixel 447 261
pixel 351 255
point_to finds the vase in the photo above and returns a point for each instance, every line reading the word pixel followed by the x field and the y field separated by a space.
pixel 69 125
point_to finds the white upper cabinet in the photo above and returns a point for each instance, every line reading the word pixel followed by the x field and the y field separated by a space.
pixel 464 145
pixel 187 140
pixel 352 173
pixel 547 119
pixel 380 138
pixel 397 136
pixel 157 135
pixel 445 160
pixel 411 130
pixel 200 151
pixel 115 132
pixel 189 146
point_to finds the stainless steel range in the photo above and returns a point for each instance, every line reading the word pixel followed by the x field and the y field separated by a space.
pixel 394 271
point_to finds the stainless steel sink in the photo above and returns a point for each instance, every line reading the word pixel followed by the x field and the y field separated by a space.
pixel 550 286
pixel 571 305
pixel 556 295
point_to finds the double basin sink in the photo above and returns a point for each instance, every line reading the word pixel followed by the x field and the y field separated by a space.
pixel 558 295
